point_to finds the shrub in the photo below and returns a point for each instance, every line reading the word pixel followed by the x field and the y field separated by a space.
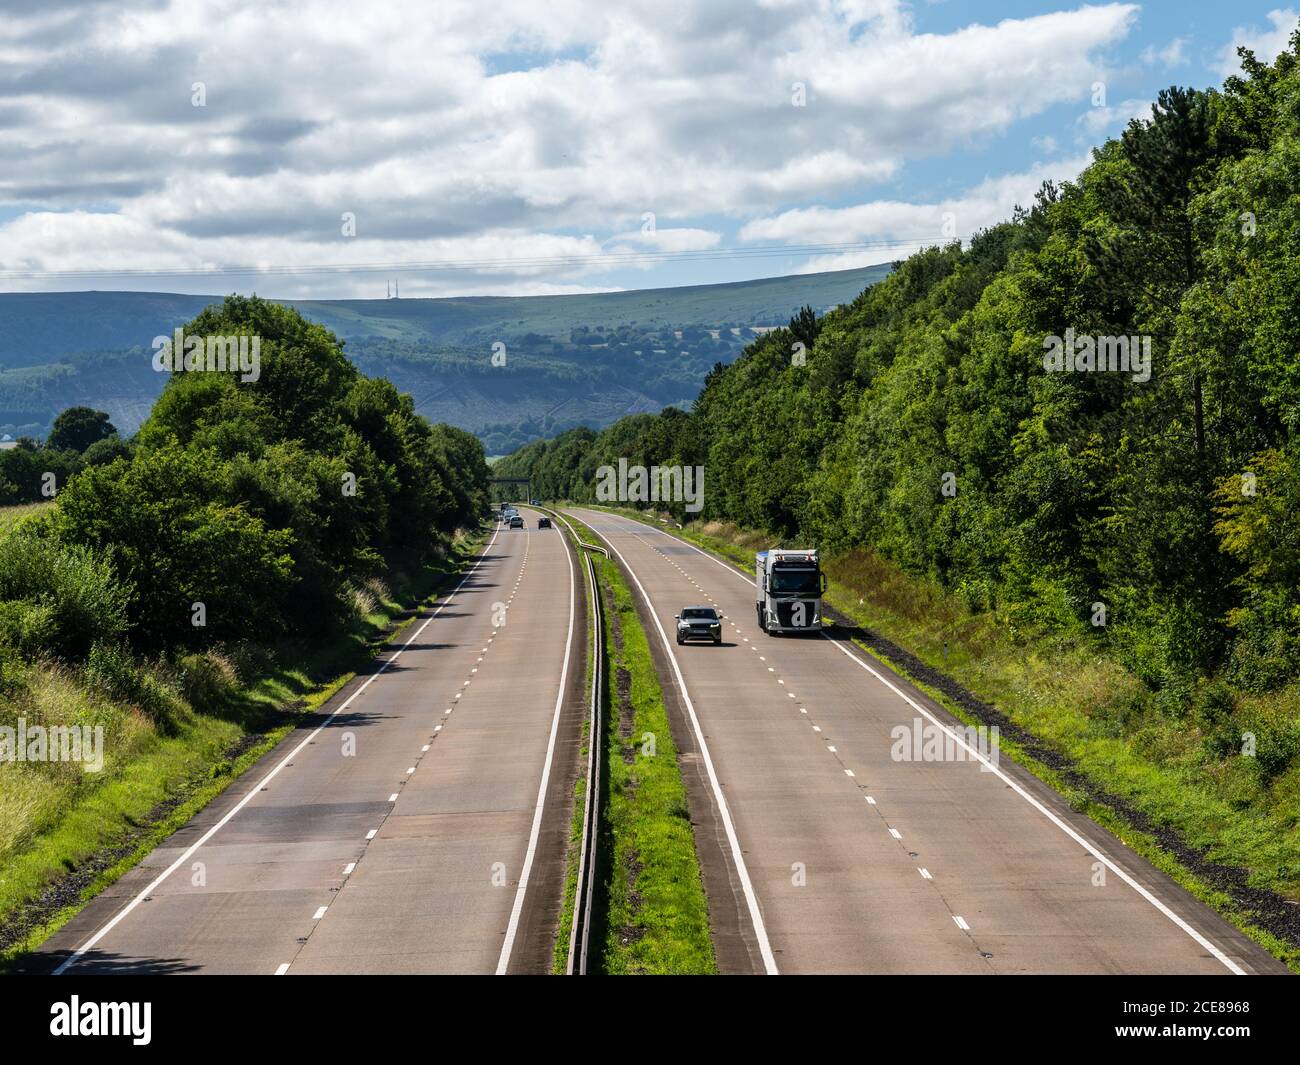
pixel 1277 746
pixel 112 668
pixel 26 626
pixel 179 545
pixel 207 680
pixel 363 602
pixel 73 597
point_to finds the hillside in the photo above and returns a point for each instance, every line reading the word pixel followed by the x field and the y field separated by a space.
pixel 568 359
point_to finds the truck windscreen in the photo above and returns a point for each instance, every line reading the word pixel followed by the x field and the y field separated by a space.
pixel 795 580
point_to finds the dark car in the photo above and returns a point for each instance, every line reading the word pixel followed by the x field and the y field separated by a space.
pixel 543 523
pixel 516 521
pixel 699 623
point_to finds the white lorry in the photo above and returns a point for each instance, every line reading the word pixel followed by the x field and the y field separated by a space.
pixel 788 590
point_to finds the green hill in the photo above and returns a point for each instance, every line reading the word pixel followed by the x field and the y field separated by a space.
pixel 587 359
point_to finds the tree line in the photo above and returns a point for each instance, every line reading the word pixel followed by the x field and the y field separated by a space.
pixel 923 421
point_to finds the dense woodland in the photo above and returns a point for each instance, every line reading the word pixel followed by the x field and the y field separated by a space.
pixel 1172 502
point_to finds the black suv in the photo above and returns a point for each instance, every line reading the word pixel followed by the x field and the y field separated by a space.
pixel 699 623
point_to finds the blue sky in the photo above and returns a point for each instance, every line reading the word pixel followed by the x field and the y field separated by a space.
pixel 221 145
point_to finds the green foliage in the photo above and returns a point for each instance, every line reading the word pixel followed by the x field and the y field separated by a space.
pixel 29 473
pixel 76 428
pixel 112 668
pixel 1070 492
pixel 106 450
pixel 27 627
pixel 206 680
pixel 56 598
pixel 166 525
pixel 245 510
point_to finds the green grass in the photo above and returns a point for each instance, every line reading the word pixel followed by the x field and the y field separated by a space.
pixel 57 818
pixel 653 910
pixel 10 517
pixel 1080 702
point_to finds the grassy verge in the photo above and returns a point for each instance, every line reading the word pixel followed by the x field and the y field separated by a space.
pixel 652 913
pixel 69 835
pixel 1210 822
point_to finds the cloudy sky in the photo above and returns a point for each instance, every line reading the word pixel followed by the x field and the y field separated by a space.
pixel 517 146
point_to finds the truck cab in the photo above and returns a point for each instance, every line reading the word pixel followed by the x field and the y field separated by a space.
pixel 788 590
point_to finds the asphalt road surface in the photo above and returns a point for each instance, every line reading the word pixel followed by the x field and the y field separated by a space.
pixel 417 825
pixel 822 853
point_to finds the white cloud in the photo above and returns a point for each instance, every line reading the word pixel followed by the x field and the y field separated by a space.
pixel 1098 121
pixel 1174 54
pixel 912 225
pixel 1267 44
pixel 452 133
pixel 670 240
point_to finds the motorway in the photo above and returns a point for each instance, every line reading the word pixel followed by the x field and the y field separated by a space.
pixel 417 824
pixel 823 854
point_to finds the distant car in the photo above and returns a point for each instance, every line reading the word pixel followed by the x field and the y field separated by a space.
pixel 516 522
pixel 699 623
pixel 543 523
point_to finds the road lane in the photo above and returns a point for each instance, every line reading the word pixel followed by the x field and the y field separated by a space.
pixel 861 863
pixel 390 835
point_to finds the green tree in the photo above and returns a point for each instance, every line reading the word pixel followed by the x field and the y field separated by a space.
pixel 76 428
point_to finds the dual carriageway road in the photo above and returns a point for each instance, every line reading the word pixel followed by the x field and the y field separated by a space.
pixel 438 845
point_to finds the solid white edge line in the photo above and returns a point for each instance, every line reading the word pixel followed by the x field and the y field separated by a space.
pixel 76 955
pixel 751 900
pixel 503 963
pixel 1083 841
